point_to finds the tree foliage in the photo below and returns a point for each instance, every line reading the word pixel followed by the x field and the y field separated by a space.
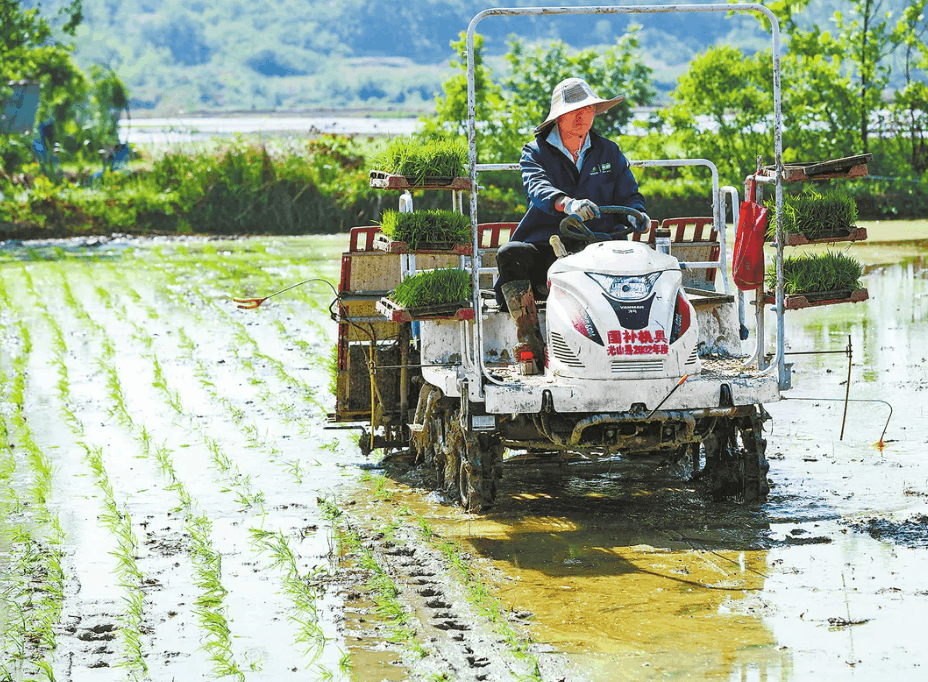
pixel 508 111
pixel 84 107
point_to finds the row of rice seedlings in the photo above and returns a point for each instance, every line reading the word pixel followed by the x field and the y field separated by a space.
pixel 304 590
pixel 106 364
pixel 18 571
pixel 479 596
pixel 32 581
pixel 419 157
pixel 426 227
pixel 207 561
pixel 38 538
pixel 433 287
pixel 160 382
pixel 815 214
pixel 130 578
pixel 813 273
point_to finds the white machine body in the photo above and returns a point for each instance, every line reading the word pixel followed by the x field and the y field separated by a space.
pixel 618 310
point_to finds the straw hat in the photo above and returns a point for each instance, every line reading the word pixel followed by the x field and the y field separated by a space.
pixel 572 94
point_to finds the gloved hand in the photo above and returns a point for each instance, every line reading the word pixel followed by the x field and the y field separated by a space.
pixel 642 225
pixel 584 209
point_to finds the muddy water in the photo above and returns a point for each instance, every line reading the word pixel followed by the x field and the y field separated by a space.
pixel 641 579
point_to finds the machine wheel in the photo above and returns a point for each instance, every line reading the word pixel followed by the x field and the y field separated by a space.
pixel 481 472
pixel 468 464
pixel 755 460
pixel 738 469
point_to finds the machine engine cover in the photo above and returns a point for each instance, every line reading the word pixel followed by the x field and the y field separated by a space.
pixel 617 310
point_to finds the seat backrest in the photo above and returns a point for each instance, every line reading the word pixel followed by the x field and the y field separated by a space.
pixel 691 241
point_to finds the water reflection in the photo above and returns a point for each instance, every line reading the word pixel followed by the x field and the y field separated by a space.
pixel 646 581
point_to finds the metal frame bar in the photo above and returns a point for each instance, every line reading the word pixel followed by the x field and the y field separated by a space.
pixel 783 376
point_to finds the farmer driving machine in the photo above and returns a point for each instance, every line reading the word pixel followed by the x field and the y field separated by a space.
pixel 643 359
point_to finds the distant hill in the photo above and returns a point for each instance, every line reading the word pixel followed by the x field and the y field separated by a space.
pixel 223 55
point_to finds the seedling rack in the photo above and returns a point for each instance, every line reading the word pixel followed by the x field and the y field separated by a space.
pixel 460 310
pixel 814 218
pixel 848 167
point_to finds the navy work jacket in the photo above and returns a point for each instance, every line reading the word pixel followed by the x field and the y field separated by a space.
pixel 605 179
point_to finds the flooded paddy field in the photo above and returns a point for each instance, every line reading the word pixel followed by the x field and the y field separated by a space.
pixel 172 506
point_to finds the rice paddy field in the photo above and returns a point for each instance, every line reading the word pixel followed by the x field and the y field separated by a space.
pixel 173 507
pixel 156 520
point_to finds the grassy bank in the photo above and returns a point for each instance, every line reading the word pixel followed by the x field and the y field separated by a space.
pixel 304 186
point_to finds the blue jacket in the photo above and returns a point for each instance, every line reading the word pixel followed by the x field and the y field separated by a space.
pixel 605 179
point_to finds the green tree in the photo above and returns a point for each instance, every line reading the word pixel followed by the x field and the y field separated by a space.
pixel 451 107
pixel 618 70
pixel 867 33
pixel 820 112
pixel 85 109
pixel 722 109
pixel 910 104
pixel 508 112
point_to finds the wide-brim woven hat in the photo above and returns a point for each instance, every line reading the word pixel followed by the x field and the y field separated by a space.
pixel 572 94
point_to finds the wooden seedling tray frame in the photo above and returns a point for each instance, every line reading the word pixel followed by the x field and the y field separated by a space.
pixel 383 243
pixel 458 310
pixel 848 167
pixel 384 180
pixel 818 298
pixel 855 234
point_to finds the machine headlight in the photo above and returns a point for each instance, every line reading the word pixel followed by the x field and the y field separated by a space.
pixel 626 288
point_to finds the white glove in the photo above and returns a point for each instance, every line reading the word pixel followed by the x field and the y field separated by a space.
pixel 642 225
pixel 582 208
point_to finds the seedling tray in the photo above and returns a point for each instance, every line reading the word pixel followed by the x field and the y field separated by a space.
pixel 818 298
pixel 383 243
pixel 458 310
pixel 383 180
pixel 855 234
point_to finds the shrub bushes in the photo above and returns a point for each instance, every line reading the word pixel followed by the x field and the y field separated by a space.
pixel 320 186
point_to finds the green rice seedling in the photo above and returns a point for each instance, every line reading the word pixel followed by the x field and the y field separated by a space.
pixel 815 214
pixel 421 228
pixel 813 273
pixel 304 590
pixel 130 578
pixel 295 470
pixel 433 287
pixel 419 158
pixel 345 664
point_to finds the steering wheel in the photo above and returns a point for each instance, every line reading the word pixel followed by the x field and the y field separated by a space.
pixel 573 228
